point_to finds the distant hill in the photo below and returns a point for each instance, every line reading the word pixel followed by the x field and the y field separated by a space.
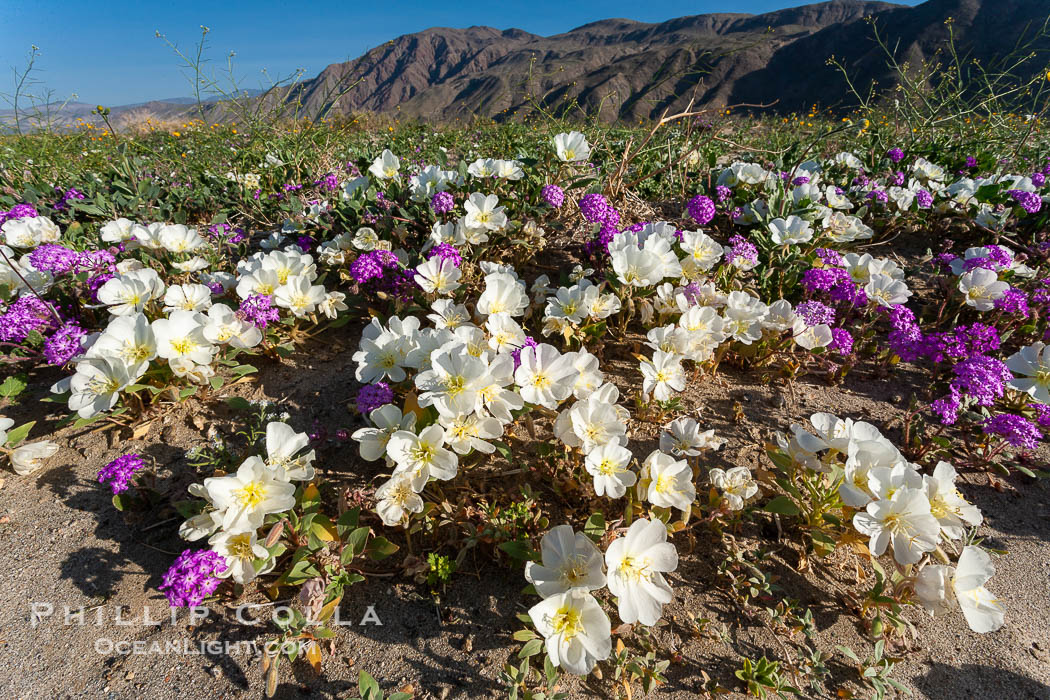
pixel 632 70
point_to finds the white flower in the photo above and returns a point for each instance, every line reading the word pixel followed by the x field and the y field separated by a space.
pixel 886 291
pixel 636 563
pixel 28 458
pixel 365 239
pixel 438 276
pixel 380 358
pixel 467 432
pixel 1032 364
pixel 283 446
pixel 981 288
pixel 385 167
pixel 608 465
pixel 737 485
pixel 546 377
pixel 940 587
pixel 387 421
pixel 452 383
pixel 178 238
pixel 423 455
pixel 594 423
pixel 670 481
pixel 503 294
pixel 244 499
pixel 903 520
pixel 576 628
pixel 181 336
pixel 663 376
pixel 569 561
pixel 128 294
pixel 572 147
pixel 682 437
pixel 952 511
pixel 398 496
pixel 790 231
pixel 448 314
pixel 5 425
pixel 482 212
pixel 194 264
pixel 299 296
pixel 187 297
pixel 810 337
pixel 118 231
pixel 241 550
pixel 224 326
pixel 97 384
pixel 129 338
pixel 30 232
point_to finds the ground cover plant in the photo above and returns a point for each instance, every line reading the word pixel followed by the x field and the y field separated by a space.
pixel 533 332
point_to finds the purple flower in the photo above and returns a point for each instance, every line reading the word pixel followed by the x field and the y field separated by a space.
pixel 841 341
pixel 800 180
pixel 723 193
pixel 64 344
pixel 446 251
pixel 878 196
pixel 530 342
pixel 1013 301
pixel 1016 430
pixel 924 199
pixel 259 310
pixel 119 472
pixel 982 378
pixel 1038 179
pixel 19 211
pixel 898 178
pixel 53 258
pixel 553 195
pixel 595 208
pixel 1031 202
pixel 815 313
pixel 442 202
pixel 742 252
pixel 701 209
pixel 372 396
pixel 25 315
pixel 95 283
pixel 823 279
pixel 193 577
pixel 895 154
pixel 971 162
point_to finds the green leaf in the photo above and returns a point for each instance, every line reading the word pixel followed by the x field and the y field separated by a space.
pixel 517 550
pixel 355 544
pixel 368 687
pixel 595 526
pixel 781 505
pixel 380 548
pixel 238 403
pixel 347 521
pixel 216 383
pixel 19 434
pixel 531 648
pixel 13 386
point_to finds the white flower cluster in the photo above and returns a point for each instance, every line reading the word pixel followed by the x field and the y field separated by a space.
pixel 237 504
pixel 576 629
pixel 902 510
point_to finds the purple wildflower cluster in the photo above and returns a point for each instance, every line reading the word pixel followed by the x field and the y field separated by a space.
pixel 25 315
pixel 442 202
pixel 723 193
pixel 446 251
pixel 836 282
pixel 980 378
pixel 815 313
pixel 701 209
pixel 742 252
pixel 63 202
pixel 1031 202
pixel 1016 430
pixel 119 472
pixel 1038 179
pixel 830 256
pixel 64 344
pixel 372 396
pixel 596 209
pixel 553 195
pixel 841 341
pixel 59 260
pixel 193 577
pixel 259 310
pixel 19 211
pixel 1014 302
pixel 380 270
pixel 896 154
pixel 924 199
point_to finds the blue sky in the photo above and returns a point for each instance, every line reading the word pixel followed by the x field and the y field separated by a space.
pixel 112 56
